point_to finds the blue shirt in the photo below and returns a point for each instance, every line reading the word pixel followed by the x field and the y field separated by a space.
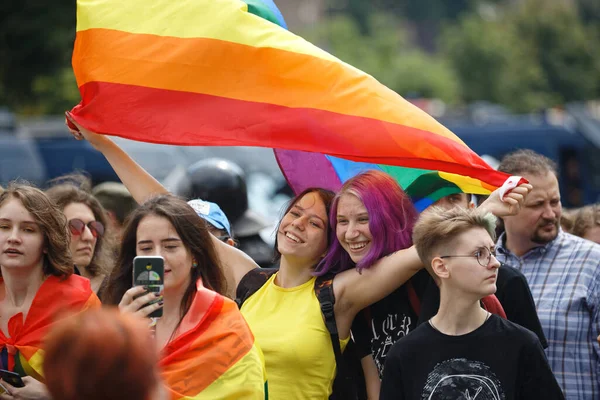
pixel 564 277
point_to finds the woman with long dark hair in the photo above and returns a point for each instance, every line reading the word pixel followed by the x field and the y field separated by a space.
pixel 203 340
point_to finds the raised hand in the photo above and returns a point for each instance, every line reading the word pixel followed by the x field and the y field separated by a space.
pixel 510 205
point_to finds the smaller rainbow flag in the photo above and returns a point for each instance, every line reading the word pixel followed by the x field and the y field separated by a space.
pixel 214 355
pixel 56 298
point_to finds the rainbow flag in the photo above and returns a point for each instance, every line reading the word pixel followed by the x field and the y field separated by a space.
pixel 56 298
pixel 214 355
pixel 210 72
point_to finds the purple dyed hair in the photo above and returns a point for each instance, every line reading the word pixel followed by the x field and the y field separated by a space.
pixel 391 220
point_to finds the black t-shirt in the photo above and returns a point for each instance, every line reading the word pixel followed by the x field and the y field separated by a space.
pixel 376 328
pixel 516 299
pixel 499 360
pixel 513 293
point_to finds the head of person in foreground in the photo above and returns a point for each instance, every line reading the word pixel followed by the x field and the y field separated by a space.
pixel 457 247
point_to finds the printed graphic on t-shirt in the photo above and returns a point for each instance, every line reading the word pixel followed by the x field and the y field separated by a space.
pixel 393 328
pixel 462 379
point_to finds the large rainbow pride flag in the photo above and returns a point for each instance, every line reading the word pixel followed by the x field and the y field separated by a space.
pixel 211 72
pixel 214 355
pixel 56 298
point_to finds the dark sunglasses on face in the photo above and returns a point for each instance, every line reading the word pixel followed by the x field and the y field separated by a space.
pixel 77 227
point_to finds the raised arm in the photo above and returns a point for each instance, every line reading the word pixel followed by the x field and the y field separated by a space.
pixel 140 183
pixel 142 186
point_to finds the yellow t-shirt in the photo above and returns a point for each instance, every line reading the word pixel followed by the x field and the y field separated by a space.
pixel 289 328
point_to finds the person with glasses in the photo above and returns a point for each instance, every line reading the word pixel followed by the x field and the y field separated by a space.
pixel 464 351
pixel 512 289
pixel 90 246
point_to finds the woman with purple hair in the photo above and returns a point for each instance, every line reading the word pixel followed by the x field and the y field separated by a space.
pixel 371 217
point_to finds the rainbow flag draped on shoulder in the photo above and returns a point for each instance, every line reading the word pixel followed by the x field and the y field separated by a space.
pixel 210 72
pixel 214 355
pixel 56 298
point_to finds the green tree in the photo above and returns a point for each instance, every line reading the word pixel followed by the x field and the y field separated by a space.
pixel 534 55
pixel 36 40
pixel 387 55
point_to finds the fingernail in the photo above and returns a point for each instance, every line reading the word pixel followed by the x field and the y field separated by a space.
pixel 160 303
pixel 145 287
pixel 157 294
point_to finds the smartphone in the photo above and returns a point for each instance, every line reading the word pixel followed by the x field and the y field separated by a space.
pixel 12 378
pixel 150 271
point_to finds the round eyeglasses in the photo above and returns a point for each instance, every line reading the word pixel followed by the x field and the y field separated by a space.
pixel 483 256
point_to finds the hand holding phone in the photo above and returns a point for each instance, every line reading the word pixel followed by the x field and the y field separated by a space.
pixel 11 378
pixel 149 272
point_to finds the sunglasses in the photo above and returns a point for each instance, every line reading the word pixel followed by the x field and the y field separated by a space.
pixel 77 227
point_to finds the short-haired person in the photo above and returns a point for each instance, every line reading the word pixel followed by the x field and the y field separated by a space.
pixel 37 284
pixel 102 355
pixel 563 272
pixel 118 203
pixel 464 351
pixel 512 288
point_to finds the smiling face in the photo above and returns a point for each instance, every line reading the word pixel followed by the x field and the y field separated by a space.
pixel 466 274
pixel 156 236
pixel 84 245
pixel 302 232
pixel 352 228
pixel 21 238
pixel 539 219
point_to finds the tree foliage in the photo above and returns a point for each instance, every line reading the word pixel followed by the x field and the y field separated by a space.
pixel 387 55
pixel 536 55
pixel 36 41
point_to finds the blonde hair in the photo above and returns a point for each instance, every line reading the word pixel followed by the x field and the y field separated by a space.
pixel 438 228
pixel 585 219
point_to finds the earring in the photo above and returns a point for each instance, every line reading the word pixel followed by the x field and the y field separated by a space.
pixel 194 264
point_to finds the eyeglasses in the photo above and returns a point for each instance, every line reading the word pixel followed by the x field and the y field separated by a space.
pixel 77 227
pixel 483 256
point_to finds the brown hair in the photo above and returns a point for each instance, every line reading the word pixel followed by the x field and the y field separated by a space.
pixel 67 193
pixel 195 237
pixel 326 196
pixel 438 228
pixel 585 218
pixel 52 222
pixel 527 161
pixel 100 354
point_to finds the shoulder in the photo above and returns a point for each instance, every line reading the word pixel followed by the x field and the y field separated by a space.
pixel 514 332
pixel 73 285
pixel 423 335
pixel 581 247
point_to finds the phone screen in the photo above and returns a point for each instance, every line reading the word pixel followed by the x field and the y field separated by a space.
pixel 150 272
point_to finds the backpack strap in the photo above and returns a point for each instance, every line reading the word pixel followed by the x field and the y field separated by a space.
pixel 326 297
pixel 251 282
pixel 415 303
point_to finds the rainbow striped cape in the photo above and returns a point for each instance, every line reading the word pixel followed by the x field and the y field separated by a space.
pixel 56 298
pixel 210 72
pixel 214 355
